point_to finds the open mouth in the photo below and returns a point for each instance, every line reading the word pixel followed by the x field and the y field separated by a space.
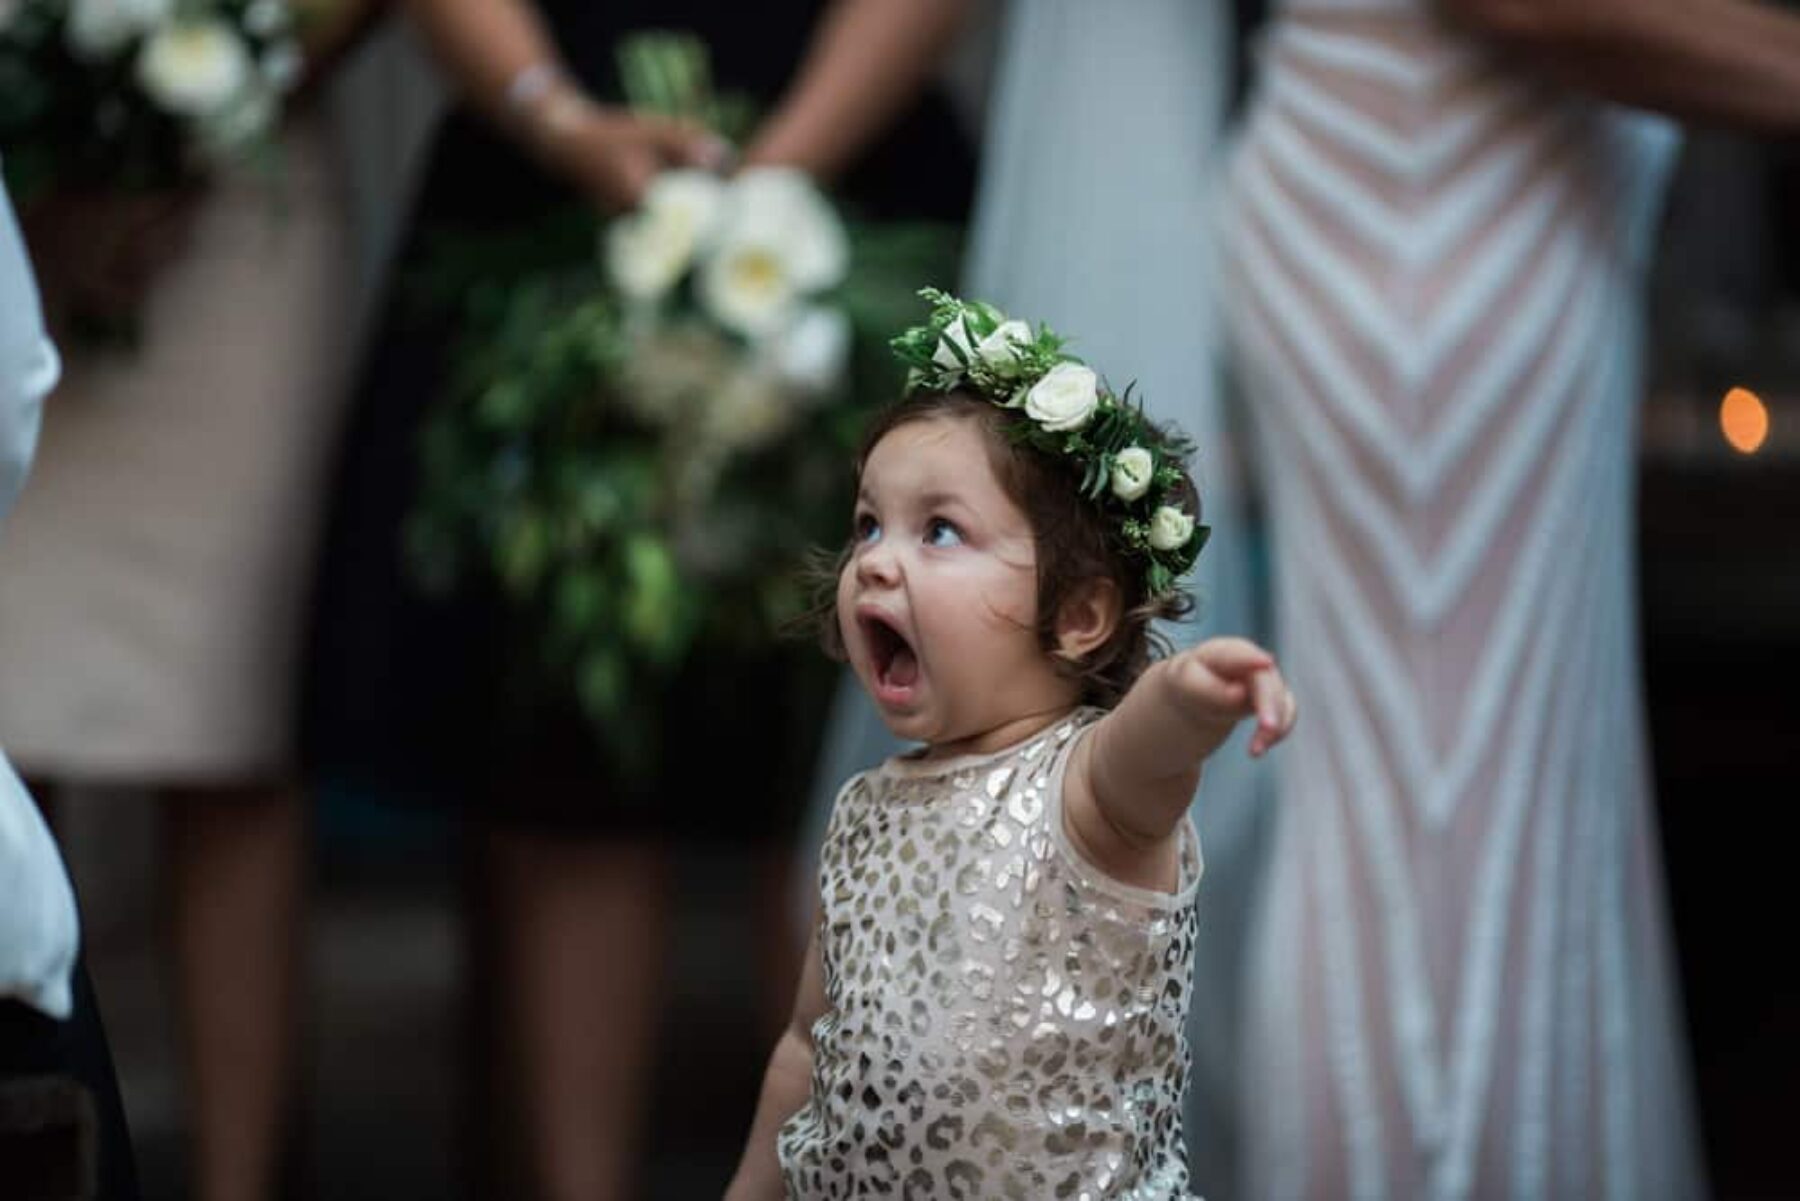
pixel 896 665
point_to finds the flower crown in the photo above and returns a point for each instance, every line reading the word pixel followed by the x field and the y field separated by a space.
pixel 1129 469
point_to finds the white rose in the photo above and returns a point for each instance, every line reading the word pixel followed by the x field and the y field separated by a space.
pixel 99 29
pixel 690 199
pixel 1065 399
pixel 749 287
pixel 1170 529
pixel 782 208
pixel 812 352
pixel 280 65
pixel 194 68
pixel 999 350
pixel 1132 471
pixel 645 257
pixel 8 10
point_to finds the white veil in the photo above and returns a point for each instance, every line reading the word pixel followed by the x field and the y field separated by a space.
pixel 1093 215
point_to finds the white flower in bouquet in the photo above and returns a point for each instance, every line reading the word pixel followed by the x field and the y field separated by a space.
pixel 281 65
pixel 781 207
pixel 688 199
pixel 1170 528
pixel 649 251
pixel 999 350
pixel 195 68
pixel 813 350
pixel 9 9
pixel 100 29
pixel 748 286
pixel 670 367
pixel 267 18
pixel 748 409
pixel 1065 399
pixel 645 257
pixel 1132 471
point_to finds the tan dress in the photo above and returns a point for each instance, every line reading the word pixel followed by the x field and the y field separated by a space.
pixel 150 578
pixel 1003 1019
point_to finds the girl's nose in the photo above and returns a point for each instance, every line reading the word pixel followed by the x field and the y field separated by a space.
pixel 877 565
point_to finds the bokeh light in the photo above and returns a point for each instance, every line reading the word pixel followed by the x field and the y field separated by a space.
pixel 1744 420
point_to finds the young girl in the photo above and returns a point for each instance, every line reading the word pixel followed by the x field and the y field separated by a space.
pixel 995 999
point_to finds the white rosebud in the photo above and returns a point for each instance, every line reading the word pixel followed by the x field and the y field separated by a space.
pixel 812 352
pixel 9 9
pixel 749 287
pixel 281 64
pixel 1170 529
pixel 646 257
pixel 781 208
pixel 194 68
pixel 689 199
pixel 100 29
pixel 1132 471
pixel 954 335
pixel 1065 399
pixel 1000 349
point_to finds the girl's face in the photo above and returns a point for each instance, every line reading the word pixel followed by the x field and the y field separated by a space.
pixel 937 603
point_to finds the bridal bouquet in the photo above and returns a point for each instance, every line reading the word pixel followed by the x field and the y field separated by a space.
pixel 137 94
pixel 641 448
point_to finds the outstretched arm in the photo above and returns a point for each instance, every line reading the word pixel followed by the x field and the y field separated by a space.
pixel 1129 783
pixel 867 60
pixel 786 1085
pixel 1733 62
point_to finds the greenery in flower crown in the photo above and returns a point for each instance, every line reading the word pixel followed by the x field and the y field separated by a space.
pixel 1127 466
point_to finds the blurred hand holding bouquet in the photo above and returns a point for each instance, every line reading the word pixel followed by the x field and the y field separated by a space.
pixel 642 448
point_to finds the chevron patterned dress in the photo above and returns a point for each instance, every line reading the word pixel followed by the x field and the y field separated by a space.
pixel 1461 983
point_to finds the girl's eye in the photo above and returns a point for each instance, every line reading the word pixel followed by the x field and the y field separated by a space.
pixel 939 532
pixel 866 527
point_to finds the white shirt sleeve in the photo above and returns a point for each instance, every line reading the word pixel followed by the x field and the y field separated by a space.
pixel 28 363
pixel 39 929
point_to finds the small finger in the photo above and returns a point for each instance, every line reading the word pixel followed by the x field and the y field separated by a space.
pixel 1233 657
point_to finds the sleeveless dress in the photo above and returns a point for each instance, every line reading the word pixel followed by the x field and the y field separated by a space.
pixel 419 697
pixel 1003 1019
pixel 1461 980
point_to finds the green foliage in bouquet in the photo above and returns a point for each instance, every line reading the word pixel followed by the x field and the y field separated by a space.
pixel 641 446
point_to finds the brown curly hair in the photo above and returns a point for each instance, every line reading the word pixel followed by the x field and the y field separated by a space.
pixel 1074 542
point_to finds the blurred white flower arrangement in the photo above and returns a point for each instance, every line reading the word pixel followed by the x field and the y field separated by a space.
pixel 642 448
pixel 138 94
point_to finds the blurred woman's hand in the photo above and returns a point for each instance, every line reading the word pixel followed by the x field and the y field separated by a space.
pixel 612 154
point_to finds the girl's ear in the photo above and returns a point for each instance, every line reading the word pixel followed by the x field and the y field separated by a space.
pixel 1088 617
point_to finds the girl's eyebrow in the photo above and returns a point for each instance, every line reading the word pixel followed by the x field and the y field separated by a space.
pixel 939 498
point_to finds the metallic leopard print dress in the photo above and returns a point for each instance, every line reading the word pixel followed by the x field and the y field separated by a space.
pixel 1004 1020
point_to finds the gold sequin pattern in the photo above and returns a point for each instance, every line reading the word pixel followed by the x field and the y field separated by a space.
pixel 1003 1020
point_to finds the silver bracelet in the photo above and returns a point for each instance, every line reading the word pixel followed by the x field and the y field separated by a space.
pixel 530 84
